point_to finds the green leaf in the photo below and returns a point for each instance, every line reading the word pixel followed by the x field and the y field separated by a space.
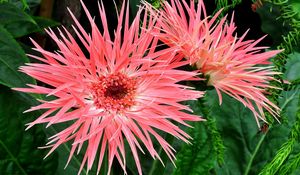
pixel 19 153
pixel 200 156
pixel 63 154
pixel 285 151
pixel 287 159
pixel 19 23
pixel 149 165
pixel 16 21
pixel 293 67
pixel 295 4
pixel 29 6
pixel 246 149
pixel 271 24
pixel 44 22
pixel 289 99
pixel 11 57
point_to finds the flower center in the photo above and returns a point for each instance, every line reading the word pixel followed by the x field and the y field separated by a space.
pixel 114 92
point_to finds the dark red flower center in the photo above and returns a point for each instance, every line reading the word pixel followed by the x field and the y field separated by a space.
pixel 114 92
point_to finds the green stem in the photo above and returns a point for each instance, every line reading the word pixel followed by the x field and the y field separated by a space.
pixel 157 167
pixel 13 158
pixel 254 153
pixel 155 163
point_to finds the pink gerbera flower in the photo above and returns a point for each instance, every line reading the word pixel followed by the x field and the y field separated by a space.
pixel 233 65
pixel 123 89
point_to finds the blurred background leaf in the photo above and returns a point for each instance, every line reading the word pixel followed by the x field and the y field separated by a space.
pixel 19 153
pixel 12 57
pixel 19 23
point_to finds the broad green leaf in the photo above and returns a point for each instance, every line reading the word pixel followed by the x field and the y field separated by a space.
pixel 44 22
pixel 63 154
pixel 200 156
pixel 289 99
pixel 246 148
pixel 19 153
pixel 19 3
pixel 19 23
pixel 25 5
pixel 16 21
pixel 11 58
pixel 29 6
pixel 293 67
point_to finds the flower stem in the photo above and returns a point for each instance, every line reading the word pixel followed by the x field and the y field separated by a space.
pixel 254 153
pixel 155 162
pixel 157 167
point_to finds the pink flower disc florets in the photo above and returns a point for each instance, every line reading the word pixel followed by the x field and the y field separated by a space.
pixel 114 92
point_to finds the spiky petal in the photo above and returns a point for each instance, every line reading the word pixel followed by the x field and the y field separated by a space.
pixel 233 65
pixel 123 89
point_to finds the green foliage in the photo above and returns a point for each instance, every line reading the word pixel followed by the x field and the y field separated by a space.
pixel 239 133
pixel 19 23
pixel 289 16
pixel 18 149
pixel 19 153
pixel 63 154
pixel 134 6
pixel 135 3
pixel 289 104
pixel 225 5
pixel 156 3
pixel 23 2
pixel 246 148
pixel 292 166
pixel 218 145
pixel 200 156
pixel 25 5
pixel 292 75
pixel 11 57
pixel 285 150
pixel 289 42
pixel 44 23
pixel 278 160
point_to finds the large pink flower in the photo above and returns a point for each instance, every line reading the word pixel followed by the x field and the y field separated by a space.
pixel 232 65
pixel 122 89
